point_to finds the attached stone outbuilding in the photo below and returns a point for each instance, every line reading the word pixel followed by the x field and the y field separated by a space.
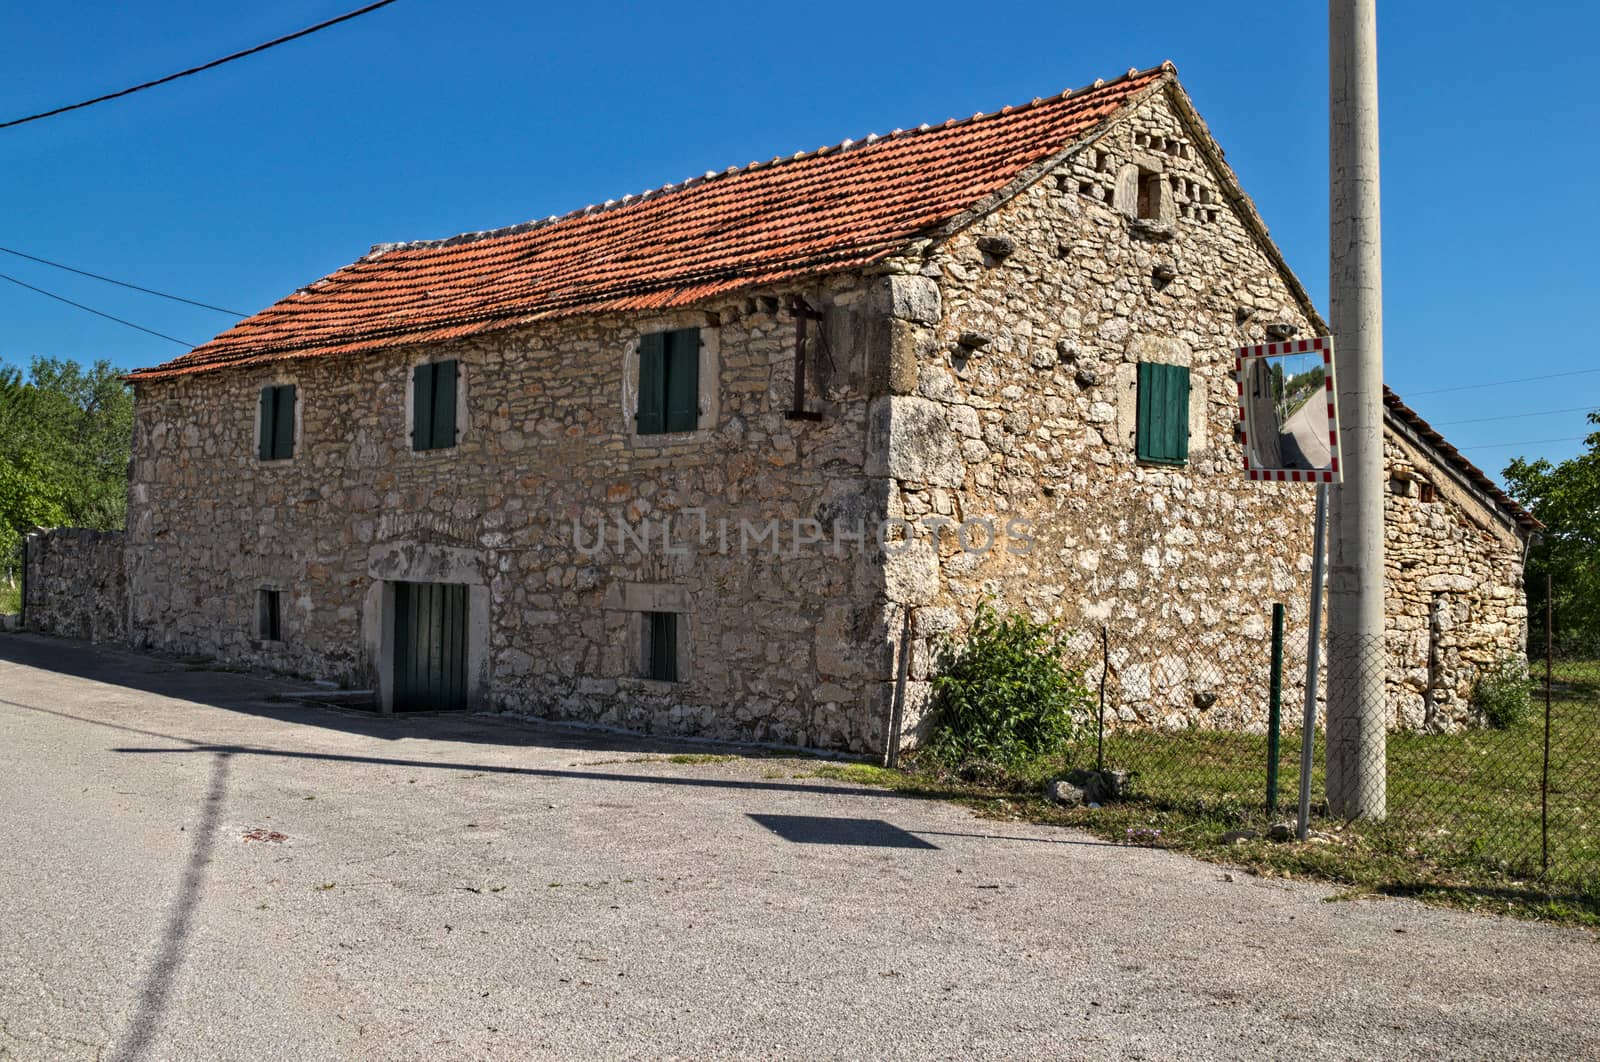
pixel 728 457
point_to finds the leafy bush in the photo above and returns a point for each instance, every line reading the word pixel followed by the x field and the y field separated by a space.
pixel 1501 693
pixel 1004 698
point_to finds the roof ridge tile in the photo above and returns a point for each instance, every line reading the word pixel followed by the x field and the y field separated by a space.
pixel 841 206
pixel 1166 66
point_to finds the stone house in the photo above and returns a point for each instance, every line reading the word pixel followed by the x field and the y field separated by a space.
pixel 728 457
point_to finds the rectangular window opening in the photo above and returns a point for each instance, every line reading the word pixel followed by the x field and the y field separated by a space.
pixel 1149 196
pixel 661 646
pixel 1163 416
pixel 669 382
pixel 269 615
pixel 277 422
pixel 433 405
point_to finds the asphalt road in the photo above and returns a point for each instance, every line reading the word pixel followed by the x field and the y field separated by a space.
pixel 478 888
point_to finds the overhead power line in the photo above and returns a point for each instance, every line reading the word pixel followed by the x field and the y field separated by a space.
pixel 197 69
pixel 1524 442
pixel 1508 416
pixel 97 313
pixel 122 283
pixel 1500 383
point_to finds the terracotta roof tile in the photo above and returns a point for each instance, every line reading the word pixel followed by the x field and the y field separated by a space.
pixel 835 208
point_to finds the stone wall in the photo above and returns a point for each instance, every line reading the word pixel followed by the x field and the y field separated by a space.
pixel 1454 598
pixel 77 585
pixel 1032 366
pixel 977 392
pixel 785 648
pixel 1046 308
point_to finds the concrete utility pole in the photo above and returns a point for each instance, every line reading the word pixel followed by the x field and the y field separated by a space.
pixel 1357 709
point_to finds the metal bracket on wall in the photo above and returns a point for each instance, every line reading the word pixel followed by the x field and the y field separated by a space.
pixel 802 312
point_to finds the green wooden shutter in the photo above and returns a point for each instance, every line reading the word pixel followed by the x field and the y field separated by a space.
pixel 444 404
pixel 422 407
pixel 283 423
pixel 269 396
pixel 652 416
pixel 663 646
pixel 683 379
pixel 1163 413
pixel 1178 404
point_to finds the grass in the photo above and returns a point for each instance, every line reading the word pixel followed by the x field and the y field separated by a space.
pixel 10 600
pixel 1464 809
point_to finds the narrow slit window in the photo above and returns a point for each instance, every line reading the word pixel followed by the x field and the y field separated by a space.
pixel 661 648
pixel 269 615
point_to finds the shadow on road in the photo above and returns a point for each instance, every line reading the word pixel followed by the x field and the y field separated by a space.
pixel 156 987
pixel 271 697
pixel 822 786
pixel 836 829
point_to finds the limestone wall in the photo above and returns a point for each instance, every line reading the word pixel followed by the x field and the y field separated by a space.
pixel 1453 589
pixel 978 394
pixel 788 647
pixel 77 585
pixel 1047 307
pixel 1032 366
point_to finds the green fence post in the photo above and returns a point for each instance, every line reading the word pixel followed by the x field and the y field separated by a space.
pixel 1275 708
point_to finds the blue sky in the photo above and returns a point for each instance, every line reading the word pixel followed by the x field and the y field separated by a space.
pixel 425 119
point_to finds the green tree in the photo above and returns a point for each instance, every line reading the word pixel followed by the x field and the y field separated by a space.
pixel 1566 499
pixel 65 436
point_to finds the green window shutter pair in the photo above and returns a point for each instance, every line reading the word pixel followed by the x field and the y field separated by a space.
pixel 433 405
pixel 669 382
pixel 277 422
pixel 663 635
pixel 1163 427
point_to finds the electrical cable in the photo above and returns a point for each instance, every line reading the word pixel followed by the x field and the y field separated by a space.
pixel 1508 416
pixel 1524 442
pixel 122 283
pixel 197 69
pixel 97 313
pixel 1499 383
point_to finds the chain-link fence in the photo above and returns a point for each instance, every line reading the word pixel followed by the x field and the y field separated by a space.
pixel 1504 778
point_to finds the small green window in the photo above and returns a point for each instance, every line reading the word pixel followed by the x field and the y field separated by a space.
pixel 277 423
pixel 433 405
pixel 1163 433
pixel 669 382
pixel 269 615
pixel 661 632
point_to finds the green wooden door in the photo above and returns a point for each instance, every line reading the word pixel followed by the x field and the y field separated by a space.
pixel 430 646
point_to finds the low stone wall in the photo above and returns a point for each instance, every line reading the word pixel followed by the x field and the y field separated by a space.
pixel 77 584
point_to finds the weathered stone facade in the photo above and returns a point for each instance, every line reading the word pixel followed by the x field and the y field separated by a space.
pixel 1453 587
pixel 977 402
pixel 781 648
pixel 1182 564
pixel 76 584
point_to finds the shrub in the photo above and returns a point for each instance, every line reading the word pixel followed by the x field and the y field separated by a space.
pixel 1501 693
pixel 1003 698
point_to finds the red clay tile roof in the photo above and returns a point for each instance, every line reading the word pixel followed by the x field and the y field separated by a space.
pixel 836 208
pixel 1457 460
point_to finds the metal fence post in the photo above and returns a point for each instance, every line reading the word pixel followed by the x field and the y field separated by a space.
pixel 1308 732
pixel 22 606
pixel 1544 776
pixel 1100 727
pixel 1275 708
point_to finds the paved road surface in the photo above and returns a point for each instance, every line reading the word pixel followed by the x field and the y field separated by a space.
pixel 471 888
